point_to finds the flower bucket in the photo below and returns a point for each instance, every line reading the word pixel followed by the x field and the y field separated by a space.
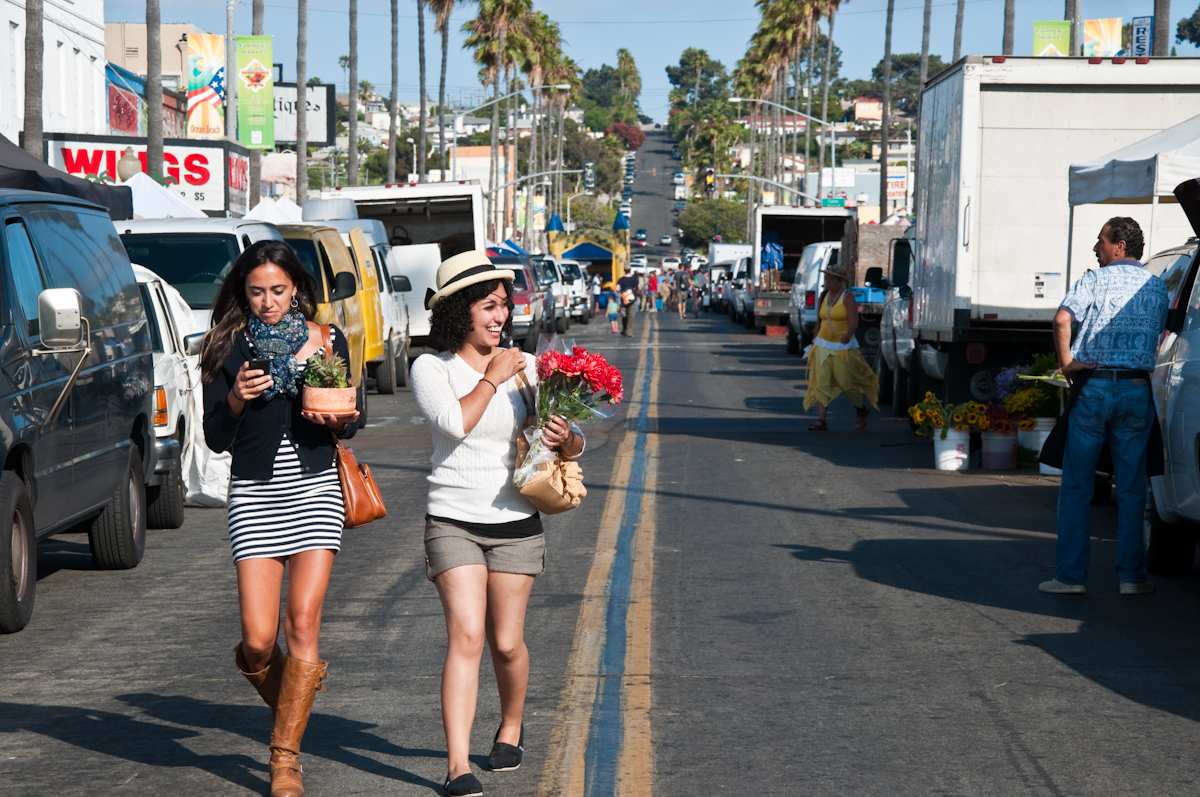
pixel 999 451
pixel 1030 446
pixel 329 400
pixel 952 452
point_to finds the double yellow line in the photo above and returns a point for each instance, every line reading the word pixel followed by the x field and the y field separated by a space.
pixel 565 773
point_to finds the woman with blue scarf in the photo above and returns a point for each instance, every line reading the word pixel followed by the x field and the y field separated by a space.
pixel 285 500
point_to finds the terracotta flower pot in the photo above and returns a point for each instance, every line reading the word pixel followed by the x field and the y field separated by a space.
pixel 329 400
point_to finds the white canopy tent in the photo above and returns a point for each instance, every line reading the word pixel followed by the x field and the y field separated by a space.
pixel 267 210
pixel 1142 173
pixel 154 201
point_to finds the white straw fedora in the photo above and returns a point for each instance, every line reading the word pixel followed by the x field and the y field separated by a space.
pixel 461 270
pixel 840 271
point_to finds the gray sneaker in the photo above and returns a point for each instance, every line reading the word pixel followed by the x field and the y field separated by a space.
pixel 1056 587
pixel 1136 588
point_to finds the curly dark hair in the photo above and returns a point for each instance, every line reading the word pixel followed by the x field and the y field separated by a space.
pixel 450 325
pixel 1123 228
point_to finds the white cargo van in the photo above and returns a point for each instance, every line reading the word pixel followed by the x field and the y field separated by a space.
pixel 997 137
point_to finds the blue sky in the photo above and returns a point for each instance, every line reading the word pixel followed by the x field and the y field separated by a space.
pixel 655 31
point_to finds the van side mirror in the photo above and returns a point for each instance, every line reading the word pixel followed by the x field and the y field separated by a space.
pixel 905 292
pixel 60 318
pixel 344 286
pixel 401 284
pixel 193 343
pixel 901 260
pixel 874 277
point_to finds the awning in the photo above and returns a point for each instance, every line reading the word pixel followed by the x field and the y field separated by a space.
pixel 1140 172
pixel 19 169
pixel 587 252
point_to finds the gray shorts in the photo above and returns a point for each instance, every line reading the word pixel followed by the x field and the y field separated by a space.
pixel 448 546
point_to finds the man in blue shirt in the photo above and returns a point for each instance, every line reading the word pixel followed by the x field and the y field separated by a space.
pixel 1120 310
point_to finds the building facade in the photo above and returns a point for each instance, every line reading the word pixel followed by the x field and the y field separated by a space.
pixel 72 67
pixel 125 46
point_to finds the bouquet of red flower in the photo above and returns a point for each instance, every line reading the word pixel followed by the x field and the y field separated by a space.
pixel 571 385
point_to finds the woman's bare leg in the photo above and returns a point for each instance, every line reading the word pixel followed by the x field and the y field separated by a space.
pixel 308 580
pixel 507 600
pixel 464 601
pixel 259 582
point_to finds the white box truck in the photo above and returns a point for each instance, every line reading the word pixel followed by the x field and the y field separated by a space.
pixel 791 229
pixel 991 252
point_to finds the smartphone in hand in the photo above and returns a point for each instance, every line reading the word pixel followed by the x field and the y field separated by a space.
pixel 259 364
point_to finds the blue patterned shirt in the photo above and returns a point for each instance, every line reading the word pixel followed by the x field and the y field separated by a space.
pixel 1121 309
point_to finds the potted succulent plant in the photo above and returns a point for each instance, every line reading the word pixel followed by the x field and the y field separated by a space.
pixel 327 388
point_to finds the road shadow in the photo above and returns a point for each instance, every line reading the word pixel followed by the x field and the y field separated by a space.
pixel 1122 644
pixel 116 735
pixel 335 738
pixel 56 553
pixel 1029 507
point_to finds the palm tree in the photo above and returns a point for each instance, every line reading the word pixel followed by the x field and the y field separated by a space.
pixel 959 14
pixel 1162 26
pixel 154 95
pixel 301 118
pixel 351 90
pixel 441 23
pixel 256 28
pixel 542 39
pixel 1009 21
pixel 928 14
pixel 887 110
pixel 32 121
pixel 424 113
pixel 391 156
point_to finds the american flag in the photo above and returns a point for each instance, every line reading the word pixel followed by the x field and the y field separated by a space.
pixel 213 93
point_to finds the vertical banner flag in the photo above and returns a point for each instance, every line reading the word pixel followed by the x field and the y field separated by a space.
pixel 256 93
pixel 1102 37
pixel 1051 38
pixel 1142 36
pixel 206 86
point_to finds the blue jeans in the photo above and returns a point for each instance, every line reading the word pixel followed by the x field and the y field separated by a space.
pixel 1120 412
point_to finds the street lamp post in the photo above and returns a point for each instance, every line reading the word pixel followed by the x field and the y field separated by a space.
pixel 469 111
pixel 413 144
pixel 573 196
pixel 827 125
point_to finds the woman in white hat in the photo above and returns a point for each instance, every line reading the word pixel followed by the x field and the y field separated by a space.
pixel 483 540
pixel 835 365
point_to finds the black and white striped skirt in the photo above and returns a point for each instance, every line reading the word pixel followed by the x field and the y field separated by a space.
pixel 291 512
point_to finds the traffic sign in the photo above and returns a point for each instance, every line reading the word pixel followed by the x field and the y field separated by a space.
pixel 833 202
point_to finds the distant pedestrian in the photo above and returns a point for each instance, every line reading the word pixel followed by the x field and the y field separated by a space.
pixel 835 365
pixel 1121 310
pixel 627 286
pixel 614 311
pixel 483 540
pixel 652 291
pixel 285 500
pixel 596 290
pixel 664 292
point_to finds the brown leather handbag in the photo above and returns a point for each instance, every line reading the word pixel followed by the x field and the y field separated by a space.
pixel 360 493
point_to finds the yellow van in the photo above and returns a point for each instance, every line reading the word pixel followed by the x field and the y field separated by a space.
pixel 329 263
pixel 374 347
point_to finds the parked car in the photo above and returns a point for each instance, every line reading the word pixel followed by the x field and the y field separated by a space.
pixel 678 178
pixel 327 260
pixel 529 306
pixel 550 279
pixel 626 207
pixel 78 423
pixel 670 263
pixel 806 288
pixel 193 255
pixel 580 294
pixel 419 264
pixel 664 240
pixel 176 377
pixel 641 234
pixel 636 261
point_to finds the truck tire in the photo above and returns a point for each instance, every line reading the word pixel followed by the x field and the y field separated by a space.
pixel 883 376
pixel 900 403
pixel 18 554
pixel 385 372
pixel 562 324
pixel 117 536
pixel 1170 547
pixel 586 317
pixel 164 503
pixel 793 341
pixel 402 364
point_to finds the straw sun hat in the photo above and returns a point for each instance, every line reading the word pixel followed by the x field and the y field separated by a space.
pixel 462 270
pixel 839 271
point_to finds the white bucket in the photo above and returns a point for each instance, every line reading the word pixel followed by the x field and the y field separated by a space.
pixel 999 451
pixel 1031 442
pixel 951 453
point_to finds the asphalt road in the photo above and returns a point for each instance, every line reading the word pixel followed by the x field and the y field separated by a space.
pixel 739 607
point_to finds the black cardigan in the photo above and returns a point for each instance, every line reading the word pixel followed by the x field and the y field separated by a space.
pixel 253 437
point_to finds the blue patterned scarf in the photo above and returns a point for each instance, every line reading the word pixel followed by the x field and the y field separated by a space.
pixel 280 342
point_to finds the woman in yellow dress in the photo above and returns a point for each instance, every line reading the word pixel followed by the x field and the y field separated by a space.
pixel 835 365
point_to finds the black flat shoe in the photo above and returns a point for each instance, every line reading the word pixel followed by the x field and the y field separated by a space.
pixel 506 757
pixel 463 786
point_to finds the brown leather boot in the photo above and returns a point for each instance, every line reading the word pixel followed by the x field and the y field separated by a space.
pixel 301 681
pixel 266 680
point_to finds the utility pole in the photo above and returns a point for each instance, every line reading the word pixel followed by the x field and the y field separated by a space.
pixel 230 73
pixel 301 105
pixel 256 27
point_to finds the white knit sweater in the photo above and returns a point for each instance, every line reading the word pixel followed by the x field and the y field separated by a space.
pixel 472 473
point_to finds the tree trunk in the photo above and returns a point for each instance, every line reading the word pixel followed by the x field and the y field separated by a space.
pixel 562 134
pixel 1010 11
pixel 1071 14
pixel 395 56
pixel 825 100
pixel 1162 27
pixel 813 28
pixel 445 153
pixel 230 73
pixel 494 163
pixel 154 90
pixel 959 14
pixel 912 156
pixel 302 118
pixel 510 166
pixel 531 168
pixel 424 113
pixel 887 111
pixel 256 28
pixel 32 121
pixel 352 161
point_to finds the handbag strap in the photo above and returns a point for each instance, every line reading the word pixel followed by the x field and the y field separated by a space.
pixel 326 340
pixel 525 389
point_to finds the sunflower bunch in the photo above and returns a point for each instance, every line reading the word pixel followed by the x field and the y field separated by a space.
pixel 929 413
pixel 1035 400
pixel 974 415
pixel 998 420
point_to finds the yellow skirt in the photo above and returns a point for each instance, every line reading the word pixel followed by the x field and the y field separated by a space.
pixel 834 373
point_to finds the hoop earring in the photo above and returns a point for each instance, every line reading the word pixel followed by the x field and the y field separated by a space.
pixel 295 302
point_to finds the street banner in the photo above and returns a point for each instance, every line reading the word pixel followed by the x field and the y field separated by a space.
pixel 1142 36
pixel 1102 37
pixel 206 86
pixel 256 93
pixel 1052 38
